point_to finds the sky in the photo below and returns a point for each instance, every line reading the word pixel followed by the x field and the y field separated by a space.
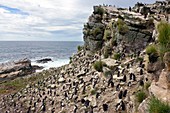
pixel 49 20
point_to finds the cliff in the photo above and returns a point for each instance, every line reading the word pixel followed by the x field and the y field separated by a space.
pixel 111 73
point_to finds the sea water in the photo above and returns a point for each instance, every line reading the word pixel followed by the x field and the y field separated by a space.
pixel 58 51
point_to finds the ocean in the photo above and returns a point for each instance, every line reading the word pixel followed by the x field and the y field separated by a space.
pixel 58 51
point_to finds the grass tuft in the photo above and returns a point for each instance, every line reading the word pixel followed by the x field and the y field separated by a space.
pixel 140 96
pixel 157 106
pixel 98 65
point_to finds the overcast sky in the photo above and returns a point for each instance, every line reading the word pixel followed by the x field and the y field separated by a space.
pixel 59 20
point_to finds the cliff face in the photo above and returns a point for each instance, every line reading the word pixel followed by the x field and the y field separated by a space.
pixel 109 74
pixel 94 30
pixel 127 28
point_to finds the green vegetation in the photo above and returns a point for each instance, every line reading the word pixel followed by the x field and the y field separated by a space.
pixel 140 96
pixel 147 85
pixel 98 65
pixel 139 59
pixel 79 48
pixel 163 38
pixel 107 34
pixel 107 73
pixel 122 27
pixel 151 49
pixel 107 51
pixel 157 106
pixel 99 10
pixel 13 86
pixel 96 31
pixel 70 60
pixel 113 41
pixel 93 92
pixel 117 56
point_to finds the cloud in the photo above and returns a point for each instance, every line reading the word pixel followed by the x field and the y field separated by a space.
pixel 48 19
pixel 13 10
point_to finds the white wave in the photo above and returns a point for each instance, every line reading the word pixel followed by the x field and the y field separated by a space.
pixel 54 63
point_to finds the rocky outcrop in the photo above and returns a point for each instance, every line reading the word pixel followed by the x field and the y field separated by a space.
pixel 155 69
pixel 78 87
pixel 161 89
pixel 134 34
pixel 14 69
pixel 45 60
pixel 94 30
pixel 143 107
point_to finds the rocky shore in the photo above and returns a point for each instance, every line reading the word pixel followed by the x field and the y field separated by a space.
pixel 14 69
pixel 108 72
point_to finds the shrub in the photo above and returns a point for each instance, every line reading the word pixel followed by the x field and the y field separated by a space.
pixel 151 49
pixel 139 59
pixel 122 27
pixel 113 41
pixel 107 34
pixel 117 56
pixel 70 59
pixel 96 31
pixel 79 48
pixel 140 96
pixel 147 85
pixel 107 73
pixel 99 10
pixel 98 65
pixel 164 37
pixel 93 92
pixel 107 52
pixel 157 106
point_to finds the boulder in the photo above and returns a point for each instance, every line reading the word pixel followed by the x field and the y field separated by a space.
pixel 155 69
pixel 36 67
pixel 161 89
pixel 16 68
pixel 167 60
pixel 143 107
pixel 45 60
pixel 61 79
pixel 144 10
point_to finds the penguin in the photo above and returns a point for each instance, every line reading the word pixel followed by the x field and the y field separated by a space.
pixel 125 93
pixel 118 74
pixel 123 106
pixel 43 108
pixel 112 84
pixel 128 65
pixel 141 71
pixel 29 110
pixel 97 95
pixel 124 78
pixel 141 83
pixel 131 76
pixel 75 109
pixel 146 79
pixel 86 103
pixel 134 77
pixel 82 101
pixel 120 94
pixel 117 87
pixel 105 107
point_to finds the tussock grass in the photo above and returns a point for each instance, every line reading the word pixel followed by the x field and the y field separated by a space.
pixel 157 106
pixel 98 66
pixel 140 96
